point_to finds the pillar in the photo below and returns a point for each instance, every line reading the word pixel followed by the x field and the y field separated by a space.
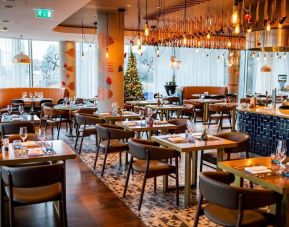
pixel 233 71
pixel 67 66
pixel 110 68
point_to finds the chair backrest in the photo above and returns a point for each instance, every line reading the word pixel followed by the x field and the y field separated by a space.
pixel 9 128
pixel 242 139
pixel 245 100
pixel 60 101
pixel 181 125
pixel 17 102
pixel 79 101
pixel 148 150
pixel 85 110
pixel 172 100
pixel 215 108
pixel 82 119
pixel 51 112
pixel 215 188
pixel 45 101
pixel 30 137
pixel 33 176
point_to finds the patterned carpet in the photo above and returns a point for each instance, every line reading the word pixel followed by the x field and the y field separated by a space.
pixel 158 209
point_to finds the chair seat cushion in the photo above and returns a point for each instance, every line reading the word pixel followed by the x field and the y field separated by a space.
pixel 114 144
pixel 141 165
pixel 211 156
pixel 35 195
pixel 228 217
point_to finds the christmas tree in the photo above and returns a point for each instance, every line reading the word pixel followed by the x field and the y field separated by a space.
pixel 132 84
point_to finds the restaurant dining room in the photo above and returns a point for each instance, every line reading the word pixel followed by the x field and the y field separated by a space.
pixel 144 113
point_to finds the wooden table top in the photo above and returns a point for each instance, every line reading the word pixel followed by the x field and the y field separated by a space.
pixel 212 143
pixel 110 116
pixel 142 102
pixel 30 100
pixel 273 181
pixel 76 107
pixel 129 125
pixel 206 100
pixel 227 104
pixel 166 107
pixel 62 152
pixel 31 118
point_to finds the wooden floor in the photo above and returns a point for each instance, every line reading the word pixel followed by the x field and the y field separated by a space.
pixel 89 203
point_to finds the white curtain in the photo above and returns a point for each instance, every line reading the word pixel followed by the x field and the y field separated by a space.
pixel 267 81
pixel 86 70
pixel 11 74
pixel 199 67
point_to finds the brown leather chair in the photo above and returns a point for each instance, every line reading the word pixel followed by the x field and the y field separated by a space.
pixel 85 126
pixel 181 125
pixel 55 117
pixel 172 100
pixel 219 113
pixel 10 128
pixel 210 158
pixel 43 118
pixel 245 100
pixel 32 185
pixel 111 139
pixel 149 160
pixel 232 206
pixel 30 137
pixel 189 111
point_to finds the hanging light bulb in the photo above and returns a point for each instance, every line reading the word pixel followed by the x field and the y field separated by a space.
pixel 253 55
pixel 264 57
pixel 138 40
pixel 197 50
pixel 268 26
pixel 106 53
pixel 218 58
pixel 184 39
pixel 158 52
pixel 249 28
pixel 146 30
pixel 208 35
pixel 258 57
pixel 284 55
pixel 235 16
pixel 229 44
pixel 82 55
pixel 237 29
pixel 199 43
pixel 139 50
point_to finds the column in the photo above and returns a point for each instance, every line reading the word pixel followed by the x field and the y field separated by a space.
pixel 233 72
pixel 67 66
pixel 110 33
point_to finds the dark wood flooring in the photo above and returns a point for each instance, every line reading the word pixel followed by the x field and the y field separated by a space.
pixel 89 203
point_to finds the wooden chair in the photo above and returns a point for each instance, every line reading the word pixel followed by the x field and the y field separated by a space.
pixel 111 139
pixel 85 126
pixel 218 114
pixel 181 125
pixel 32 185
pixel 10 128
pixel 232 206
pixel 149 160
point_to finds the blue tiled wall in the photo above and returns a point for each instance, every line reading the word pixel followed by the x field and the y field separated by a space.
pixel 264 130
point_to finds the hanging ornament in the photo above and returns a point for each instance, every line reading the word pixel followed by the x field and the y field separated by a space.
pixel 108 80
pixel 120 69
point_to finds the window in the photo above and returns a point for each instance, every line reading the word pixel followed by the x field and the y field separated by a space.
pixel 11 74
pixel 46 69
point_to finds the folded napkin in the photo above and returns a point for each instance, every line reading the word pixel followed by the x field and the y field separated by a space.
pixel 257 169
pixel 103 113
pixel 160 122
pixel 130 123
pixel 35 152
pixel 30 144
pixel 14 116
pixel 177 139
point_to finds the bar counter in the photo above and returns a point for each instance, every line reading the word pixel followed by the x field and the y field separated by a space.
pixel 265 126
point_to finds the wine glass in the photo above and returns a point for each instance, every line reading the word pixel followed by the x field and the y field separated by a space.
pixel 41 135
pixel 23 133
pixel 141 115
pixel 21 110
pixel 190 126
pixel 9 109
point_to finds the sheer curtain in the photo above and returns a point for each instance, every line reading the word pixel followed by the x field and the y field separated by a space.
pixel 11 74
pixel 86 70
pixel 199 67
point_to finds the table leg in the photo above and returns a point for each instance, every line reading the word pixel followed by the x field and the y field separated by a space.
pixel 220 155
pixel 188 172
pixel 284 210
pixel 205 112
pixel 194 168
pixel 178 112
pixel 138 135
pixel 234 120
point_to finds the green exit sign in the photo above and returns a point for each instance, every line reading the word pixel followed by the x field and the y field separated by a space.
pixel 44 13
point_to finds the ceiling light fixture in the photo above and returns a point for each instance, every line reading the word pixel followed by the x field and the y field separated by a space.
pixel 146 30
pixel 21 57
pixel 185 24
pixel 106 52
pixel 4 29
pixel 138 40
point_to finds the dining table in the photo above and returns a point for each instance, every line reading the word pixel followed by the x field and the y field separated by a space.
pixel 24 118
pixel 142 102
pixel 34 100
pixel 111 118
pixel 272 180
pixel 180 143
pixel 165 110
pixel 141 126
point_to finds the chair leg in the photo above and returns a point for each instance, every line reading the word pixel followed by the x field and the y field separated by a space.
pixel 127 177
pixel 120 162
pixel 76 140
pixel 81 142
pixel 201 161
pixel 2 216
pixel 96 156
pixel 63 212
pixel 177 182
pixel 155 184
pixel 104 161
pixel 58 129
pixel 199 209
pixel 142 192
pixel 11 214
pixel 46 124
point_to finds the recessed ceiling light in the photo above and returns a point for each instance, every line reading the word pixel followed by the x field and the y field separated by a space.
pixel 128 5
pixel 4 29
pixel 5 21
pixel 9 6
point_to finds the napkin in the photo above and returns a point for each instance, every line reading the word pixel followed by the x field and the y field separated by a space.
pixel 160 122
pixel 257 169
pixel 130 123
pixel 177 139
pixel 35 152
pixel 30 144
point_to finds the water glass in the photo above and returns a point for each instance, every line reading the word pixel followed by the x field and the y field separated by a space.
pixel 17 144
pixel 41 135
pixel 9 109
pixel 23 133
pixel 21 109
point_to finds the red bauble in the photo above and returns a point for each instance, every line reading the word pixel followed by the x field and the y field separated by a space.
pixel 248 17
pixel 108 80
pixel 63 83
pixel 65 65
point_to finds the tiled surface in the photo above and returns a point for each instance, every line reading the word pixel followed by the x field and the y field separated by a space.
pixel 264 131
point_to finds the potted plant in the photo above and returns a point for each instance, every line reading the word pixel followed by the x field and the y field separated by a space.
pixel 171 86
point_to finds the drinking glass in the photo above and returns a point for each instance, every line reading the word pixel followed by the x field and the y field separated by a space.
pixel 9 109
pixel 41 135
pixel 21 109
pixel 190 126
pixel 24 95
pixel 141 116
pixel 23 133
pixel 30 94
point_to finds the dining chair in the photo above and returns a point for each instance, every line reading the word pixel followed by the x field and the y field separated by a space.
pixel 111 139
pixel 43 118
pixel 172 100
pixel 189 110
pixel 218 114
pixel 55 118
pixel 10 128
pixel 85 127
pixel 233 206
pixel 32 185
pixel 181 124
pixel 30 137
pixel 147 157
pixel 17 102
